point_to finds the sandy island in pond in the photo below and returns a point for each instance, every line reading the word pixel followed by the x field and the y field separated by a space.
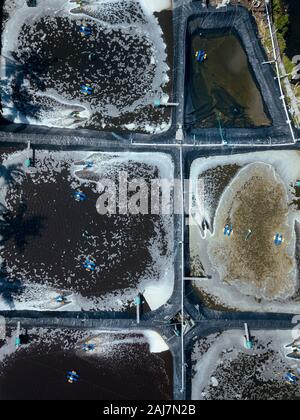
pixel 252 191
pixel 256 200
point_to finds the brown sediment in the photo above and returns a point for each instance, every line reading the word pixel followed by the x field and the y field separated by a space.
pixel 296 201
pixel 297 254
pixel 215 181
pixel 196 267
pixel 210 301
pixel 256 200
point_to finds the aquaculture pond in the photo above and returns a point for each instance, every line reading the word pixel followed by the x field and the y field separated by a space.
pixel 223 369
pixel 48 234
pixel 221 90
pixel 105 366
pixel 232 198
pixel 99 66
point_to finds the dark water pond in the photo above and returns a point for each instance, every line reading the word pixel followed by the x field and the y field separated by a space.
pixel 48 235
pixel 54 57
pixel 122 368
pixel 222 90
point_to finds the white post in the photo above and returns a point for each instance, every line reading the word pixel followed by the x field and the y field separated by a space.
pixel 18 342
pixel 138 302
pixel 247 333
pixel 138 314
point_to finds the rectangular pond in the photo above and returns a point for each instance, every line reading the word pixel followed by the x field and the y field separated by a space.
pixel 48 235
pixel 223 369
pixel 108 365
pixel 239 205
pixel 222 90
pixel 98 66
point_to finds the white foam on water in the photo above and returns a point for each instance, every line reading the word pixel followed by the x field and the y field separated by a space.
pixel 156 342
pixel 157 282
pixel 8 349
pixel 152 338
pixel 156 5
pixel 148 30
pixel 230 344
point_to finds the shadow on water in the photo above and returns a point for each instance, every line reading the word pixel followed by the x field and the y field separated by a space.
pixel 9 290
pixel 10 172
pixel 17 226
pixel 14 89
pixel 3 16
pixel 20 227
pixel 25 338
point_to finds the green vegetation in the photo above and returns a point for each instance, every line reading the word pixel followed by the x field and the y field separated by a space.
pixel 281 22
